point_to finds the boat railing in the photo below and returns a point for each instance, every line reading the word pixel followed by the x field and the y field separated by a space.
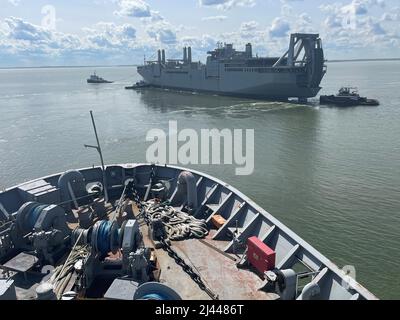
pixel 348 91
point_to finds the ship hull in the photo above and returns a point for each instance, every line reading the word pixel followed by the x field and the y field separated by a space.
pixel 260 86
pixel 269 94
pixel 296 74
pixel 348 102
pixel 98 82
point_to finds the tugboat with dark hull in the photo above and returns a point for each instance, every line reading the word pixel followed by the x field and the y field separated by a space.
pixel 94 78
pixel 348 97
pixel 138 85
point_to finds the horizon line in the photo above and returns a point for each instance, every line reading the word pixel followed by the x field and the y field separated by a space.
pixel 363 59
pixel 70 66
pixel 135 65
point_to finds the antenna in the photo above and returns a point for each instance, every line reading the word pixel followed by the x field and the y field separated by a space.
pixel 98 148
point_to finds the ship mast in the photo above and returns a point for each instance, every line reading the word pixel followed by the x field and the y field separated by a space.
pixel 98 148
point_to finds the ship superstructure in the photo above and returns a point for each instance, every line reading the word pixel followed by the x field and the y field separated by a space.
pixel 296 74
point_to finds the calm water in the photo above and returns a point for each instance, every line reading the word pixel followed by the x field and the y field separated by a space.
pixel 332 175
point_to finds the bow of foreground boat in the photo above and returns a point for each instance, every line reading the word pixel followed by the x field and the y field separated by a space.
pixel 141 231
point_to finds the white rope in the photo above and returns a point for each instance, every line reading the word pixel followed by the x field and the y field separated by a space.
pixel 63 273
pixel 178 225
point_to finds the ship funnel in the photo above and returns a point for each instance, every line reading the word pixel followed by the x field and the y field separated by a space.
pixel 249 50
pixel 159 56
pixel 163 56
pixel 190 54
pixel 185 55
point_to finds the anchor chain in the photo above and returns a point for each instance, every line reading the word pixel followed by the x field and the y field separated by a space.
pixel 136 197
pixel 189 270
pixel 178 260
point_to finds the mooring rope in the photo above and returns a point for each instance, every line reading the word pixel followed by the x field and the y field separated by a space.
pixel 63 273
pixel 178 225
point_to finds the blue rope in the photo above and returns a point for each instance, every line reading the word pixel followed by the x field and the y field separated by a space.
pixel 33 215
pixel 103 237
pixel 153 296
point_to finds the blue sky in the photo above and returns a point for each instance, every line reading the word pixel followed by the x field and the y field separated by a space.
pixel 61 32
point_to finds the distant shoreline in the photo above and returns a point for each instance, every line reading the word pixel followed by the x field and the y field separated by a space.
pixel 364 60
pixel 135 65
pixel 67 67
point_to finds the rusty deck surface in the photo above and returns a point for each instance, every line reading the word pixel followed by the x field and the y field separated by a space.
pixel 218 271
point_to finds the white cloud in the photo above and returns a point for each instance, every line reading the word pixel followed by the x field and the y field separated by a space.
pixel 279 28
pixel 137 9
pixel 113 43
pixel 110 35
pixel 366 32
pixel 21 30
pixel 15 3
pixel 249 26
pixel 374 28
pixel 133 8
pixel 162 32
pixel 214 18
pixel 350 16
pixel 155 16
pixel 304 24
pixel 24 41
pixel 227 4
pixel 355 7
pixel 392 16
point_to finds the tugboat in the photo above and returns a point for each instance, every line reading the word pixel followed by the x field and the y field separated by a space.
pixel 94 78
pixel 348 97
pixel 154 232
pixel 138 85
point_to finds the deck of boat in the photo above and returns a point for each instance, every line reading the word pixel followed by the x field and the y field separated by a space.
pixel 217 270
pixel 213 258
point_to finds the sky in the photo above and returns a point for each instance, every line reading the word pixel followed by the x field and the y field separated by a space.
pixel 115 32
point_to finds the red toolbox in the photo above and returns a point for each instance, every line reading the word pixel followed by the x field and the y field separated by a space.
pixel 260 255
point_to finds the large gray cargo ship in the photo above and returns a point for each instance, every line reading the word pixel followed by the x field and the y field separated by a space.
pixel 297 74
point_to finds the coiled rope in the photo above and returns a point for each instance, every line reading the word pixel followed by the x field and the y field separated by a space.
pixel 63 273
pixel 178 225
pixel 103 237
pixel 153 296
